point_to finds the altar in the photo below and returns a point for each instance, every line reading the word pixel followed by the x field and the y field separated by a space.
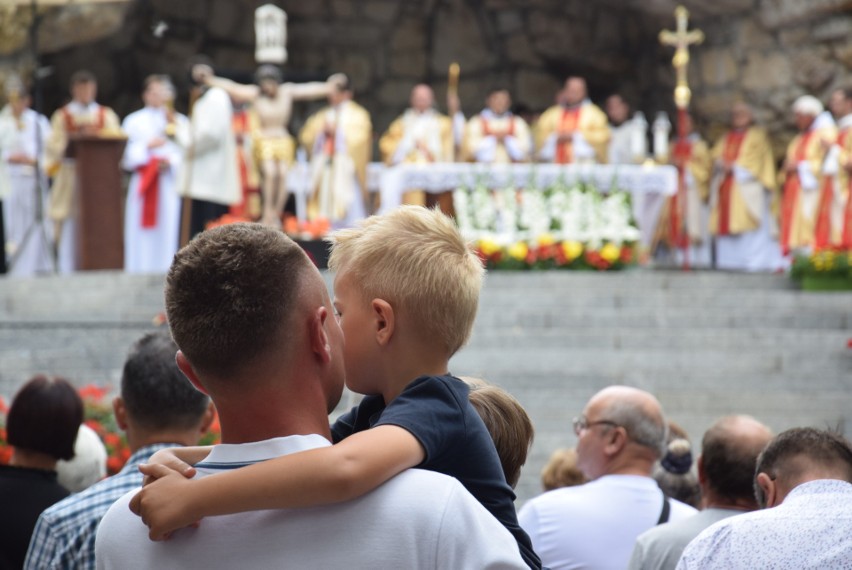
pixel 648 186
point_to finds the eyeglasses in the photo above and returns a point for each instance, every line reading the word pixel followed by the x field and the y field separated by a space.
pixel 582 423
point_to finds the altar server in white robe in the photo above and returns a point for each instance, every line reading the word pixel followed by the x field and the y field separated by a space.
pixel 23 135
pixel 154 154
pixel 496 136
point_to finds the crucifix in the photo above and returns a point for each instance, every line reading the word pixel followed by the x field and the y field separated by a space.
pixel 681 39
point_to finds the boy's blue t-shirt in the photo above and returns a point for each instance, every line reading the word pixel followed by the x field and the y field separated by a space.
pixel 436 411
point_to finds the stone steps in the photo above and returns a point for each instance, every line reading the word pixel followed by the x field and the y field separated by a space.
pixel 707 344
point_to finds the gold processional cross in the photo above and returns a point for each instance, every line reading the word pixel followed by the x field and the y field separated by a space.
pixel 681 39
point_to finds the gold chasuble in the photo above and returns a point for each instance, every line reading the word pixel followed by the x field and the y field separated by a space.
pixel 587 119
pixel 844 182
pixel 339 140
pixel 738 201
pixel 801 188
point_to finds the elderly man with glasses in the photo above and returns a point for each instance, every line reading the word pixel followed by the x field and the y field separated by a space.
pixel 620 436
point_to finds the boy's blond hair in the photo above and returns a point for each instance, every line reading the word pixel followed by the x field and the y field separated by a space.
pixel 416 260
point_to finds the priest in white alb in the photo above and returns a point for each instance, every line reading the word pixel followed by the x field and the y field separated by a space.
pixel 156 136
pixel 575 131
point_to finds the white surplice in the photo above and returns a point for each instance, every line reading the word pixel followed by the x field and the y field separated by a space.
pixel 151 249
pixel 28 233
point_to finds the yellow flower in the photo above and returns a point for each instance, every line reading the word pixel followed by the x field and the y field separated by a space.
pixel 518 251
pixel 488 247
pixel 545 240
pixel 610 252
pixel 572 249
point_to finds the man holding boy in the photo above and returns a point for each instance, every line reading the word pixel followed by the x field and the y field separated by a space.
pixel 274 369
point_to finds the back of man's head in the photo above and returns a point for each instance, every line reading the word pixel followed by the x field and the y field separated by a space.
pixel 155 393
pixel 728 459
pixel 231 295
pixel 640 414
pixel 800 455
pixel 416 260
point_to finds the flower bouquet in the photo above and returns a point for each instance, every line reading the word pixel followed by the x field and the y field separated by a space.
pixel 823 270
pixel 559 227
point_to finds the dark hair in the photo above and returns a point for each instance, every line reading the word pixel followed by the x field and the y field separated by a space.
pixel 155 392
pixel 674 475
pixel 229 293
pixel 820 447
pixel 45 416
pixel 82 76
pixel 729 462
pixel 268 71
pixel 496 89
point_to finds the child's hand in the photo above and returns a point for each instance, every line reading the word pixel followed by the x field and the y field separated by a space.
pixel 167 458
pixel 165 503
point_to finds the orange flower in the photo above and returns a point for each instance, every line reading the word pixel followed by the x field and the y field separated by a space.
pixel 92 393
pixel 3 407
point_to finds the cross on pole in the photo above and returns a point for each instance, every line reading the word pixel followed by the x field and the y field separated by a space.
pixel 681 39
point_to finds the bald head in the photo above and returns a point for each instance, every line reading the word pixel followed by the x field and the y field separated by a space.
pixel 625 433
pixel 422 98
pixel 575 90
pixel 727 463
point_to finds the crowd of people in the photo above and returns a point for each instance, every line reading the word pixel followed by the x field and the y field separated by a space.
pixel 420 473
pixel 740 208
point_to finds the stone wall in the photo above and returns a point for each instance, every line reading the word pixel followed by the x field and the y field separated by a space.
pixel 764 51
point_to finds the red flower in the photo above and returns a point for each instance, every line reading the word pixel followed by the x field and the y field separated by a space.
pixel 3 407
pixel 626 254
pixel 92 393
pixel 595 260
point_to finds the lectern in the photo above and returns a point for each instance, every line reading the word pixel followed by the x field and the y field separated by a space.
pixel 100 202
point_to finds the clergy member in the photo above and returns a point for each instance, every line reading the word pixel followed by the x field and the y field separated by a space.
pixel 156 137
pixel 574 131
pixel 742 192
pixel 623 130
pixel 82 116
pixel 339 140
pixel 834 212
pixel 693 155
pixel 23 133
pixel 421 135
pixel 496 135
pixel 803 173
pixel 210 176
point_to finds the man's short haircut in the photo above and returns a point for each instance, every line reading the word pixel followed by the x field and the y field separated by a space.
pixel 155 392
pixel 643 429
pixel 508 423
pixel 156 78
pixel 45 416
pixel 82 76
pixel 729 463
pixel 230 294
pixel 789 454
pixel 416 260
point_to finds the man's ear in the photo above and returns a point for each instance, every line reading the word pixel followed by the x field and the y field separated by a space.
pixel 769 488
pixel 318 335
pixel 120 411
pixel 189 372
pixel 207 418
pixel 385 321
pixel 616 440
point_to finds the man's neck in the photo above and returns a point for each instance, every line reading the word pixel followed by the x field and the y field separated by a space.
pixel 33 460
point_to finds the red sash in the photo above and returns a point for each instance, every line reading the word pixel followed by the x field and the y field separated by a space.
pixel 149 189
pixel 792 188
pixel 567 124
pixel 678 237
pixel 733 143
pixel 487 132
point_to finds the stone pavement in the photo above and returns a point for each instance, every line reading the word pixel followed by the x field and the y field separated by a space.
pixel 706 344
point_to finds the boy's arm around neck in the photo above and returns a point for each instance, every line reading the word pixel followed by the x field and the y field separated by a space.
pixel 323 476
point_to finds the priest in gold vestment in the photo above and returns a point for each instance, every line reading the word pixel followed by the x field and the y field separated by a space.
pixel 339 140
pixel 803 174
pixel 421 135
pixel 576 131
pixel 833 226
pixel 496 135
pixel 82 116
pixel 743 191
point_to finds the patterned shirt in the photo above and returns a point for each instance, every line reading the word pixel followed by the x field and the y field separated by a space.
pixel 810 529
pixel 64 537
